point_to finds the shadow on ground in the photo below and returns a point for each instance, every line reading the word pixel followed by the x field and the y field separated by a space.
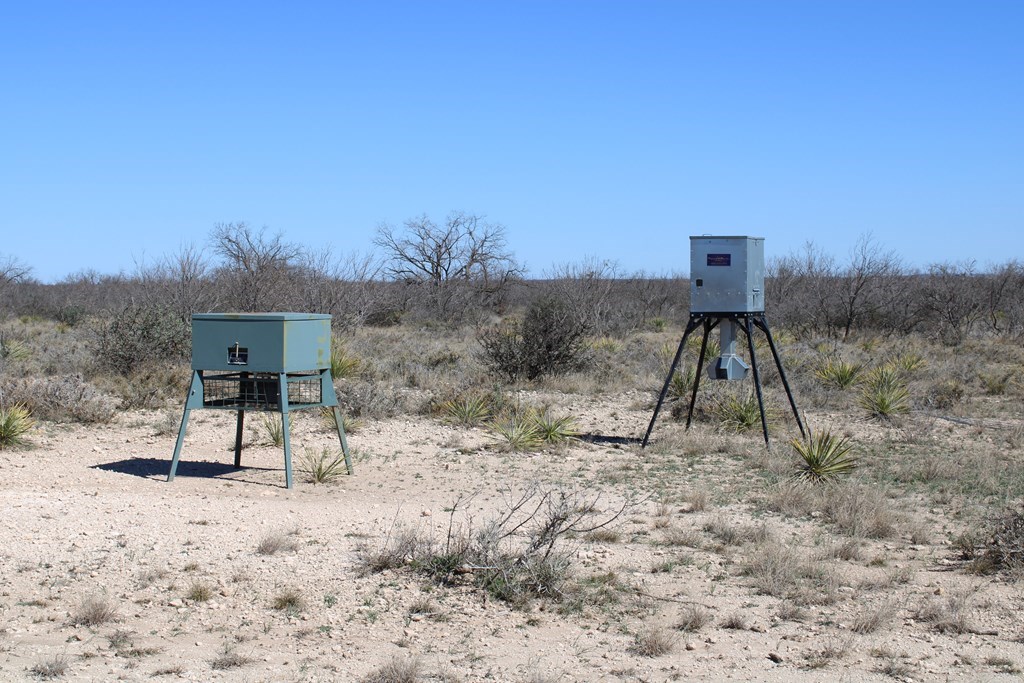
pixel 602 440
pixel 157 468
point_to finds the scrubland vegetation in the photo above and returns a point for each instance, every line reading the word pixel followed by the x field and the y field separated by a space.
pixel 899 519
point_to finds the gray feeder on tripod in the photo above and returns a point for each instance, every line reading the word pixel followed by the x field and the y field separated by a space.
pixel 276 362
pixel 726 291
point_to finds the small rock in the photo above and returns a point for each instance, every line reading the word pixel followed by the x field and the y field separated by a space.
pixel 690 645
pixel 775 657
pixel 426 513
pixel 939 591
pixel 176 602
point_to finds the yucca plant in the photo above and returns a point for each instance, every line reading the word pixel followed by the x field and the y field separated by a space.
pixel 343 364
pixel 885 394
pixel 323 467
pixel 908 361
pixel 681 385
pixel 555 430
pixel 466 410
pixel 15 422
pixel 739 414
pixel 14 350
pixel 838 373
pixel 516 433
pixel 824 457
pixel 273 428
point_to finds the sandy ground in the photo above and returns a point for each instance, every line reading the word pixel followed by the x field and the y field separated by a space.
pixel 87 514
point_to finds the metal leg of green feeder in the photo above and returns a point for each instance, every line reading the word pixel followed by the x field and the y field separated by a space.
pixel 341 437
pixel 286 429
pixel 238 438
pixel 190 401
pixel 178 444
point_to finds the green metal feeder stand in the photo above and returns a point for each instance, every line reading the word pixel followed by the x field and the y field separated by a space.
pixel 271 362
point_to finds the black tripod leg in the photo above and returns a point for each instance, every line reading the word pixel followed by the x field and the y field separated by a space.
pixel 763 325
pixel 690 327
pixel 700 366
pixel 757 378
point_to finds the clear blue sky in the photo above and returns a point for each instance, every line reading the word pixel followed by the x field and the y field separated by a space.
pixel 608 129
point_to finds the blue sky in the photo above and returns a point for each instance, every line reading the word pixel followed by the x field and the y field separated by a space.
pixel 604 129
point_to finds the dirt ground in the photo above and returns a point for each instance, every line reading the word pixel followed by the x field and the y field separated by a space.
pixel 87 515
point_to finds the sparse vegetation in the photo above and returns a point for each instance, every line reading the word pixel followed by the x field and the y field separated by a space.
pixel 95 610
pixel 396 671
pixel 15 423
pixel 50 667
pixel 824 457
pixel 323 467
pixel 277 541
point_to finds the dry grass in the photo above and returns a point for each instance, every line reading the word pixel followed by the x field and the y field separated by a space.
pixel 653 641
pixel 289 600
pixel 229 658
pixel 277 542
pixel 693 618
pixel 49 668
pixel 396 671
pixel 94 611
pixel 874 618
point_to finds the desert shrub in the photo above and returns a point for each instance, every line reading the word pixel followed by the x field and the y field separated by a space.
pixel 824 457
pixel 549 340
pixel 15 422
pixel 67 398
pixel 515 556
pixel 946 393
pixel 139 335
pixel 1004 547
pixel 359 398
pixel 199 592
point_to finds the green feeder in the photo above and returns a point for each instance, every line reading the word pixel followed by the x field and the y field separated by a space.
pixel 272 362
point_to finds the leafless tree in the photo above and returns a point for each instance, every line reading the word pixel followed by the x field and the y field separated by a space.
pixel 465 254
pixel 256 266
pixel 181 283
pixel 799 288
pixel 951 300
pixel 864 287
pixel 12 271
pixel 349 288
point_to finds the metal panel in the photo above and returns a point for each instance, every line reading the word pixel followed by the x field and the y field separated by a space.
pixel 726 274
pixel 261 342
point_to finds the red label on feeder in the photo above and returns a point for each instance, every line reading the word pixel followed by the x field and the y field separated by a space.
pixel 719 259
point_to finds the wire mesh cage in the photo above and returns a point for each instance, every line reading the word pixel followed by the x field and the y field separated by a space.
pixel 259 391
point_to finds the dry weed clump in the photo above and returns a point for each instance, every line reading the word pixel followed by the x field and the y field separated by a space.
pixel 50 667
pixel 784 571
pixel 278 541
pixel 693 618
pixel 874 617
pixel 949 615
pixel 515 556
pixel 653 641
pixel 396 671
pixel 229 658
pixel 94 610
pixel 860 510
